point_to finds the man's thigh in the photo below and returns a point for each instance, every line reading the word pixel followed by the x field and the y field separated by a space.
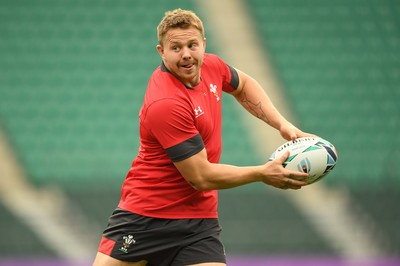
pixel 105 260
pixel 207 251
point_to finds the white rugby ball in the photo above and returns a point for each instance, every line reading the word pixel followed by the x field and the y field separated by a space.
pixel 312 155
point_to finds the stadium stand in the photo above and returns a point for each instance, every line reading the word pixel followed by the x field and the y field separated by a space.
pixel 73 76
pixel 18 239
pixel 339 64
pixel 342 59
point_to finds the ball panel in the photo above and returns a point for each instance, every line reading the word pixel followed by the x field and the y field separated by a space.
pixel 311 155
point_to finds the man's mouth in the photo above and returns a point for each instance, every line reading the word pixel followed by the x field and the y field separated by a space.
pixel 188 66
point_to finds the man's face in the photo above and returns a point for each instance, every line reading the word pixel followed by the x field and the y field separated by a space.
pixel 182 52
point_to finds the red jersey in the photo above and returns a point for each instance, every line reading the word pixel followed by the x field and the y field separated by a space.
pixel 177 122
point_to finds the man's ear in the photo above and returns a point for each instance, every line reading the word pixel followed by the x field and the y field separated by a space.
pixel 204 43
pixel 160 50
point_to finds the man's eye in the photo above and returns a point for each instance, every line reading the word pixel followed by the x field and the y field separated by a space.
pixel 175 48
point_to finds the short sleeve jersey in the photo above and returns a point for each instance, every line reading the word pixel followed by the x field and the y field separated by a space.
pixel 177 122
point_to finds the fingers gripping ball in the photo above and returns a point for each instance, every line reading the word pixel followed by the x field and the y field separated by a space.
pixel 312 155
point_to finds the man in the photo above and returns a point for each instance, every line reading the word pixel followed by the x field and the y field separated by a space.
pixel 167 214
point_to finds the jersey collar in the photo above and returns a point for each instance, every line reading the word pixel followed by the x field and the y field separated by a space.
pixel 164 68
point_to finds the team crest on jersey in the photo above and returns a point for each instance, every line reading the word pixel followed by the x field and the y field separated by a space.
pixel 128 241
pixel 213 89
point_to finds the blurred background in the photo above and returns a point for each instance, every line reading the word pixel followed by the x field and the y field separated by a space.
pixel 72 78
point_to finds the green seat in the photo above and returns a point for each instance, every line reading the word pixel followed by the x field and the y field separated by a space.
pixel 338 62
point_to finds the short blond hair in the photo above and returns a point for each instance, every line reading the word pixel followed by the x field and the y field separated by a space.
pixel 178 18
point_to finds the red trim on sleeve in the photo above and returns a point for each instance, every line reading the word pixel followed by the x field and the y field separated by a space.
pixel 106 245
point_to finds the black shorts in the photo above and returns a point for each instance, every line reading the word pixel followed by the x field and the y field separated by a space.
pixel 132 237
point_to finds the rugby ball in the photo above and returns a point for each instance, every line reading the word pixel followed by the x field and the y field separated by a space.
pixel 312 155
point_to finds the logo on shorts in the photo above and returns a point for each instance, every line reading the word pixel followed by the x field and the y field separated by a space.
pixel 128 241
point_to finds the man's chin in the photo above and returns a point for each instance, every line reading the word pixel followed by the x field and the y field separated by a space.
pixel 189 80
pixel 188 75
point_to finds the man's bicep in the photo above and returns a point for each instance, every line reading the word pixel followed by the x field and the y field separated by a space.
pixel 193 167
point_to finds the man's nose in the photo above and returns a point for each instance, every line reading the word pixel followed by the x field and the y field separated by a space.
pixel 186 53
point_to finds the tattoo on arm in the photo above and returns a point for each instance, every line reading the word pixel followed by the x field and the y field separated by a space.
pixel 254 108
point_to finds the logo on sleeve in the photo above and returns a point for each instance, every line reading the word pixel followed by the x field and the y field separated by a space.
pixel 198 111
